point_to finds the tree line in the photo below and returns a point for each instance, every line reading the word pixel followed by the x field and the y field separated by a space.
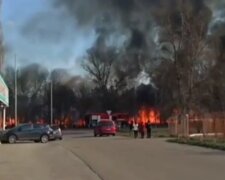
pixel 69 93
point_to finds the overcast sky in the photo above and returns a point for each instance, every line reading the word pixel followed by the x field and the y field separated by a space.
pixel 61 46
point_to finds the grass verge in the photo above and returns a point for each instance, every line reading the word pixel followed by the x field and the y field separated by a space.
pixel 156 133
pixel 207 143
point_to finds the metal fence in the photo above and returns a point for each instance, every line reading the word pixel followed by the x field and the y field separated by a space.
pixel 208 126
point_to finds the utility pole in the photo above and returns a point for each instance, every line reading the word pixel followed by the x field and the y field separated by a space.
pixel 16 123
pixel 51 84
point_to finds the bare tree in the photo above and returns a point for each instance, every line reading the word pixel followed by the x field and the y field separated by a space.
pixel 183 43
pixel 31 90
pixel 99 65
pixel 215 81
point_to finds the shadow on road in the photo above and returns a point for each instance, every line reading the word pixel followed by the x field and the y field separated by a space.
pixel 108 138
pixel 19 142
pixel 75 131
pixel 25 142
pixel 81 136
pixel 213 153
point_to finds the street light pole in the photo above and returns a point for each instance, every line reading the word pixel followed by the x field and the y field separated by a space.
pixel 51 101
pixel 15 91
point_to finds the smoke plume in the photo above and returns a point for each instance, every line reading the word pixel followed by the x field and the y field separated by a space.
pixel 134 18
pixel 130 24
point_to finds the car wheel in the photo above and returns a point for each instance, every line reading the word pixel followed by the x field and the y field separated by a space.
pixel 95 135
pixel 44 138
pixel 60 138
pixel 113 134
pixel 12 139
pixel 101 135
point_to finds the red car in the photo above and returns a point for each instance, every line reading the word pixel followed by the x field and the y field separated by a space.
pixel 105 128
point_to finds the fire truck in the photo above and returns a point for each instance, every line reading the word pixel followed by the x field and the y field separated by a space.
pixel 92 119
pixel 121 119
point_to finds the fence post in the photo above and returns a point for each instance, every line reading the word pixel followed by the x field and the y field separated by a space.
pixel 176 126
pixel 187 125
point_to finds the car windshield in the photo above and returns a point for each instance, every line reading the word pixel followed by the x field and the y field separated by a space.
pixel 55 127
pixel 106 124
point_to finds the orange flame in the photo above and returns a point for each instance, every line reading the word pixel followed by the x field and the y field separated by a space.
pixel 146 114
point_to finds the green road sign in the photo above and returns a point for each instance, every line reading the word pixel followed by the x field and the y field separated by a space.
pixel 4 92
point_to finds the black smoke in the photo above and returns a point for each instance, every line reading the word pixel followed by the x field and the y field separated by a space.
pixel 135 18
pixel 111 19
pixel 128 17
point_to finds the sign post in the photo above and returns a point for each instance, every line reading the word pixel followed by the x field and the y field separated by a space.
pixel 4 118
pixel 109 113
pixel 4 92
pixel 4 99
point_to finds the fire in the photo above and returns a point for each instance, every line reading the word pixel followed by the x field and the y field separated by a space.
pixel 146 114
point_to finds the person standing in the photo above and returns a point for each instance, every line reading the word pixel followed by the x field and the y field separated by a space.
pixel 142 130
pixel 149 129
pixel 130 127
pixel 135 129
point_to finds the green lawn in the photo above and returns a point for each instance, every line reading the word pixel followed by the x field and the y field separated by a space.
pixel 207 143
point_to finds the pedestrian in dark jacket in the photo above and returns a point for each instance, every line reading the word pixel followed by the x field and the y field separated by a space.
pixel 149 129
pixel 142 129
pixel 131 127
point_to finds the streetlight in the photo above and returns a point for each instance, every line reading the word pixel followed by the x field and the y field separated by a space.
pixel 4 116
pixel 187 125
pixel 15 91
pixel 51 84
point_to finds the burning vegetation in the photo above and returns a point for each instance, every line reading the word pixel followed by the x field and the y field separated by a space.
pixel 151 115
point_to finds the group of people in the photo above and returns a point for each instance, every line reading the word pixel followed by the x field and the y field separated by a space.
pixel 136 128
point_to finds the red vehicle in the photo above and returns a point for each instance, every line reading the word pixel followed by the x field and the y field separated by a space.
pixel 93 119
pixel 105 128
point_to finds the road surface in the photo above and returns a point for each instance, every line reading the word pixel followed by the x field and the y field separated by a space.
pixel 82 157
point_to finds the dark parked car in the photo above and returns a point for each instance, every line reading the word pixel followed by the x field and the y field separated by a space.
pixel 57 132
pixel 30 132
pixel 105 128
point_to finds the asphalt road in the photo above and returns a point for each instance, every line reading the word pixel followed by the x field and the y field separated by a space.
pixel 82 157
